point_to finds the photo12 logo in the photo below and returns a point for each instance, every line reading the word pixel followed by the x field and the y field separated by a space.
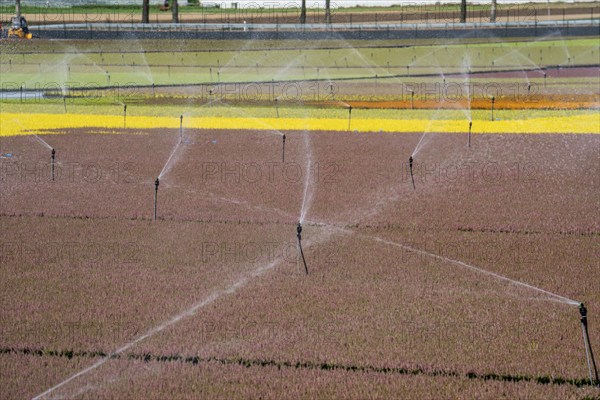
pixel 271 173
pixel 281 92
pixel 52 170
pixel 44 254
pixel 491 172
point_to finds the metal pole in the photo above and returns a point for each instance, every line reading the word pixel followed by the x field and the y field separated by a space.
pixel 493 99
pixel 180 128
pixel 470 125
pixel 299 236
pixel 593 371
pixel 52 158
pixel 155 196
pixel 283 150
pixel 410 164
pixel 349 116
pixel 124 115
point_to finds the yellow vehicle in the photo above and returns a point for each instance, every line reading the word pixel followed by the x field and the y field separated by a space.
pixel 19 28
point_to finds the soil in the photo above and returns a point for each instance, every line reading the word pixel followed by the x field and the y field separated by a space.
pixel 518 206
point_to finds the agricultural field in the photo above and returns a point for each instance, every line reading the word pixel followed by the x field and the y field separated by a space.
pixel 151 194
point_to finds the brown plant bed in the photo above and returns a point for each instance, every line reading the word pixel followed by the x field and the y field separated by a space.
pixel 217 274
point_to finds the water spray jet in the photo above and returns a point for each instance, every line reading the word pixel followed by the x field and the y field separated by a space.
pixel 300 252
pixel 593 371
pixel 156 183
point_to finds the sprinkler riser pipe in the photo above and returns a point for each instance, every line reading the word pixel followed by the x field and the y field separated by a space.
pixel 156 183
pixel 410 164
pixel 180 128
pixel 349 117
pixel 591 362
pixel 470 125
pixel 299 236
pixel 52 158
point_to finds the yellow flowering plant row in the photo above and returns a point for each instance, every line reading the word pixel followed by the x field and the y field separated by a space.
pixel 12 124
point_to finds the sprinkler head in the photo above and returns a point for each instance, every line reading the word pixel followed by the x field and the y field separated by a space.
pixel 284 137
pixel 124 107
pixel 156 182
pixel 299 231
pixel 53 153
pixel 583 312
pixel 410 160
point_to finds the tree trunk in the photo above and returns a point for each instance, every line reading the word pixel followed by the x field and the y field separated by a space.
pixel 18 8
pixel 328 11
pixel 175 8
pixel 303 12
pixel 463 11
pixel 145 11
pixel 493 12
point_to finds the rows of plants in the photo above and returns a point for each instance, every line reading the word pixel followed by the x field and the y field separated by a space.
pixel 195 360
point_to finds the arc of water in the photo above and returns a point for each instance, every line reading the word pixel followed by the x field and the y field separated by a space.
pixel 189 312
